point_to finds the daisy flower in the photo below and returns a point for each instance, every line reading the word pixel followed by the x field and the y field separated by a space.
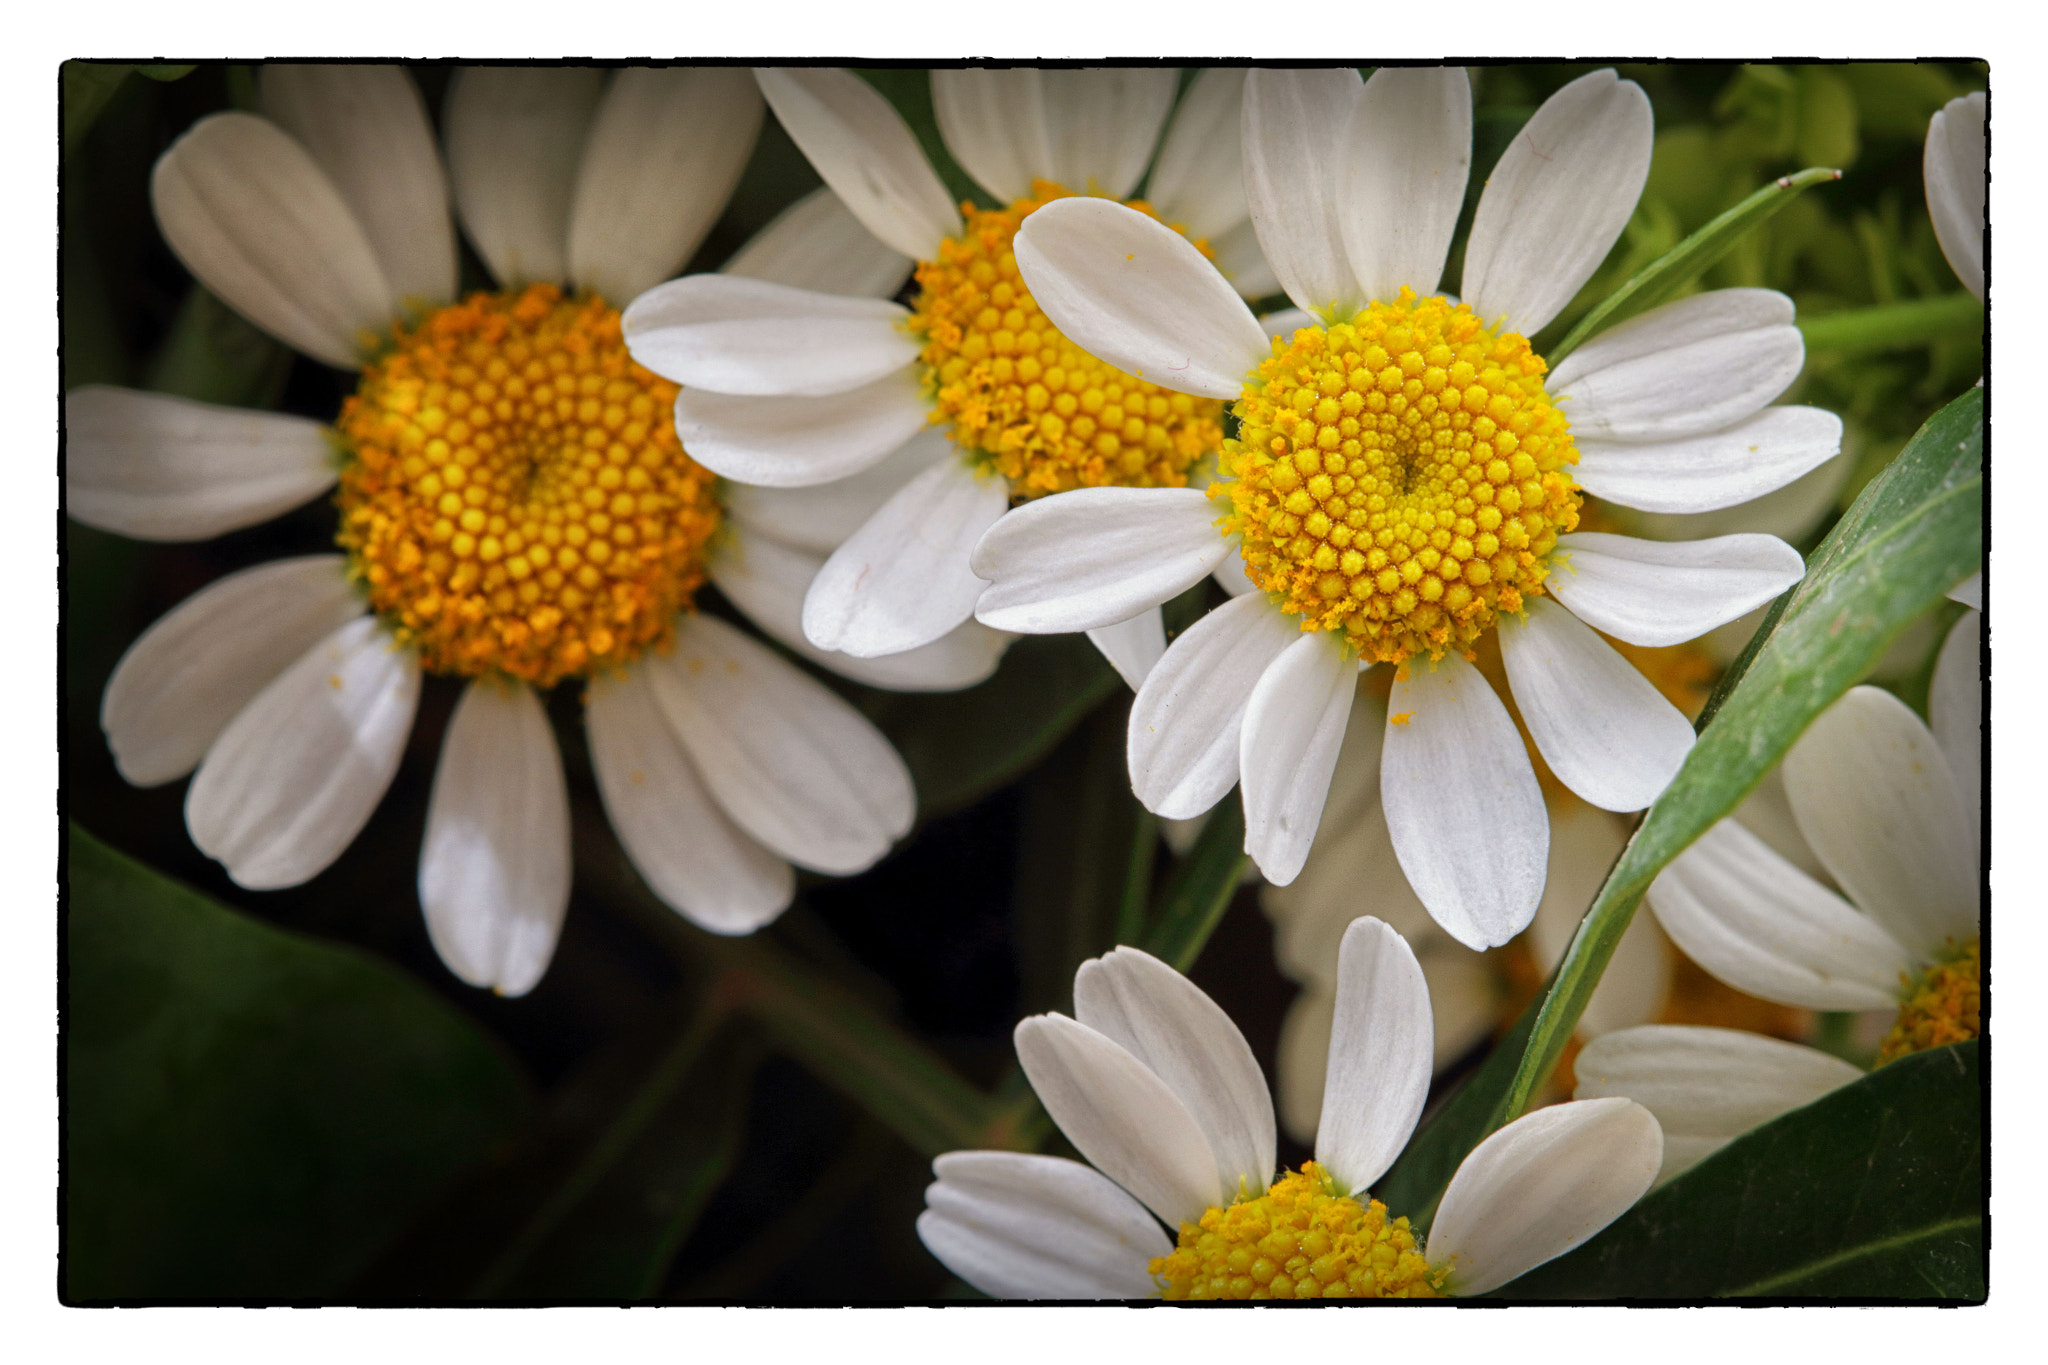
pixel 1406 479
pixel 968 399
pixel 1891 810
pixel 1156 1087
pixel 514 509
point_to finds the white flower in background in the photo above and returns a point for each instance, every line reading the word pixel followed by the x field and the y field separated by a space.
pixel 1156 1087
pixel 1953 168
pixel 1407 477
pixel 515 510
pixel 968 399
pixel 1891 809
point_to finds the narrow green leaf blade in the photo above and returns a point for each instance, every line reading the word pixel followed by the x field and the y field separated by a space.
pixel 1661 280
pixel 249 1113
pixel 1874 1191
pixel 1913 534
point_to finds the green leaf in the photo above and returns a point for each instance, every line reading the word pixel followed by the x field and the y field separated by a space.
pixel 1913 534
pixel 249 1113
pixel 963 745
pixel 1200 889
pixel 1906 326
pixel 1661 280
pixel 1874 1191
pixel 213 355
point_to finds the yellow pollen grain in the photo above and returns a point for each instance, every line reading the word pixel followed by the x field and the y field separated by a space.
pixel 1402 477
pixel 516 501
pixel 1025 401
pixel 1298 1240
pixel 1945 1006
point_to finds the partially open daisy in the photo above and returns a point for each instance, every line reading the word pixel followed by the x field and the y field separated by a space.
pixel 970 389
pixel 515 510
pixel 1156 1087
pixel 1890 808
pixel 1406 479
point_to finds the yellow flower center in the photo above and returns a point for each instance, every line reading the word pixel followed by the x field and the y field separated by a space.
pixel 1298 1240
pixel 1024 400
pixel 1945 1006
pixel 517 501
pixel 1401 477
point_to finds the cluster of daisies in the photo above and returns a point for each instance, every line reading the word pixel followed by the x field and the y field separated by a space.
pixel 894 432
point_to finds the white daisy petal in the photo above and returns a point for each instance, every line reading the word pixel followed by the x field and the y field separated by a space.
pixel 368 129
pixel 1138 295
pixel 1185 721
pixel 1132 646
pixel 1953 169
pixel 993 121
pixel 1094 557
pixel 1706 1086
pixel 1120 1115
pixel 1016 1225
pixel 691 853
pixel 1233 575
pixel 767 580
pixel 1102 123
pixel 1955 706
pixel 818 517
pixel 1168 1023
pixel 1876 800
pixel 1688 368
pixel 1243 261
pixel 250 213
pixel 735 335
pixel 1381 1042
pixel 798 442
pixel 1463 807
pixel 1403 177
pixel 1287 748
pixel 1541 1186
pixel 1603 728
pixel 1198 181
pixel 796 767
pixel 1557 200
pixel 154 467
pixel 1791 513
pixel 494 866
pixel 1711 471
pixel 902 579
pixel 817 243
pixel 1755 921
pixel 1292 183
pixel 179 685
pixel 1656 592
pixel 865 151
pixel 665 150
pixel 294 776
pixel 1969 592
pixel 515 138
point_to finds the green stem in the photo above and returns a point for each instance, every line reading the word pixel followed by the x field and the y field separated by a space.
pixel 625 1130
pixel 1130 915
pixel 852 1047
pixel 1200 889
pixel 1894 326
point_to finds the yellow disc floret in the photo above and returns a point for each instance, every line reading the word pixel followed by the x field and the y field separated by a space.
pixel 517 501
pixel 1401 477
pixel 1945 1006
pixel 1024 400
pixel 1298 1240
